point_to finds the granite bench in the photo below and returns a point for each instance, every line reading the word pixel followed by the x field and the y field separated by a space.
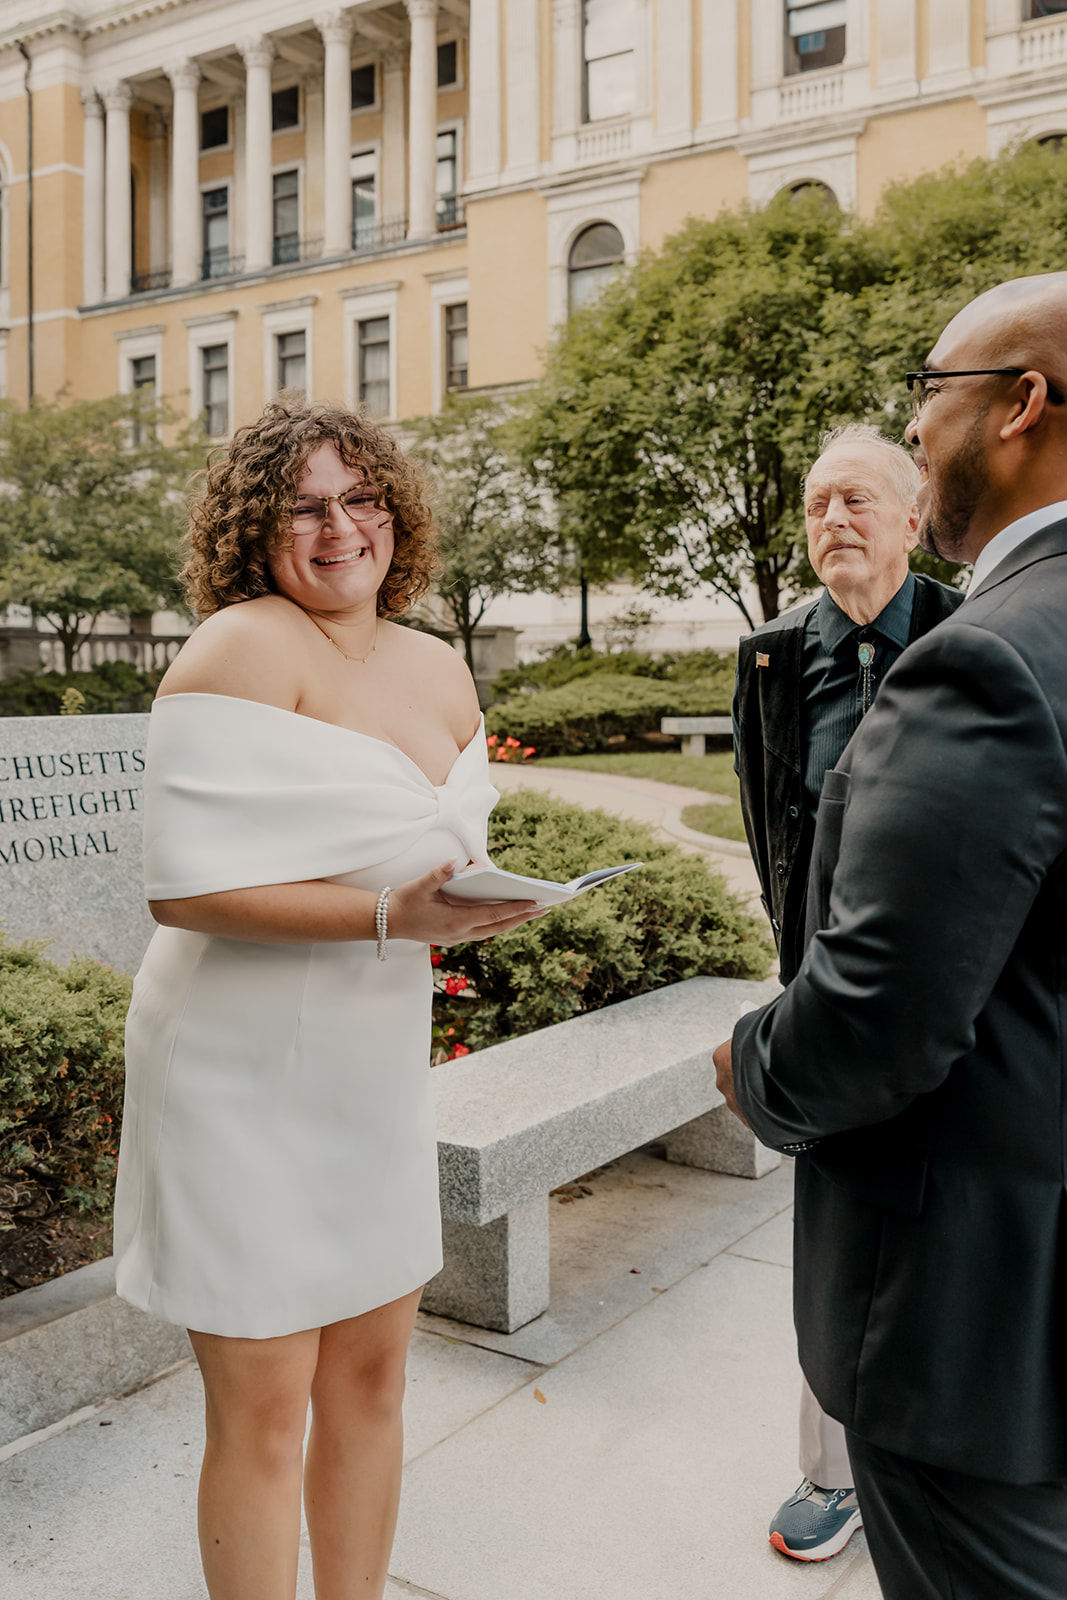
pixel 694 731
pixel 521 1118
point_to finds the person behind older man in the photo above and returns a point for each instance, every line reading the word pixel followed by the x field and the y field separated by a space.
pixel 804 682
pixel 919 1054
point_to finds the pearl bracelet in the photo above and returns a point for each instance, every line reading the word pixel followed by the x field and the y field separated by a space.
pixel 381 922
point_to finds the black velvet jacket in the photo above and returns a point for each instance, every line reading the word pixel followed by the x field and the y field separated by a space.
pixel 768 723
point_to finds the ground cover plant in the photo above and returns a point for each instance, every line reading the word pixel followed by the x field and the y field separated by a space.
pixel 675 919
pixel 112 686
pixel 566 662
pixel 61 1063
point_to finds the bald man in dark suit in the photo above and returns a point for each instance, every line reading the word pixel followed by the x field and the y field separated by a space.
pixel 917 1064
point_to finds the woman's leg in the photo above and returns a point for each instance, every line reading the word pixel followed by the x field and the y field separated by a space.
pixel 257 1394
pixel 355 1451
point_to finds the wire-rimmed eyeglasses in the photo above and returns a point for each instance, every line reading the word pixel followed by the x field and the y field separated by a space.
pixel 311 510
pixel 921 385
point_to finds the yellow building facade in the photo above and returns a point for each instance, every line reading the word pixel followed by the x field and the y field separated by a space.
pixel 387 201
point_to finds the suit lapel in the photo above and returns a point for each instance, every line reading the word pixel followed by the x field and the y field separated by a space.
pixel 1040 546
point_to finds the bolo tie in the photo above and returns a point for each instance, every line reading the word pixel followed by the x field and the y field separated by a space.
pixel 866 660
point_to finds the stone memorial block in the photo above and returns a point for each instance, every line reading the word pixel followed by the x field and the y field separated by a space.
pixel 70 835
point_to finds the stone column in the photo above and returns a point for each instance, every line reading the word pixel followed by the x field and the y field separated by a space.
pixel 422 119
pixel 258 54
pixel 185 215
pixel 523 90
pixel 336 30
pixel 566 65
pixel 118 220
pixel 674 61
pixel 93 199
pixel 157 191
pixel 392 178
pixel 483 156
pixel 718 76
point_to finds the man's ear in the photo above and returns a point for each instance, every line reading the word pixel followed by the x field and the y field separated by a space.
pixel 911 532
pixel 1028 407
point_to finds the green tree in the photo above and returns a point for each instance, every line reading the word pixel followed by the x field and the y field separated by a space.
pixel 92 505
pixel 677 413
pixel 495 537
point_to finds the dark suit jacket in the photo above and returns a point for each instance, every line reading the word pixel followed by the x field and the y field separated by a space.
pixel 922 1047
pixel 768 723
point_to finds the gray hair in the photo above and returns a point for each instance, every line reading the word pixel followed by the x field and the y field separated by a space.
pixel 901 470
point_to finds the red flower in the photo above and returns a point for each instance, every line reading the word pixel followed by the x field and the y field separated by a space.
pixel 528 752
pixel 492 740
pixel 436 958
pixel 514 743
pixel 460 1050
pixel 455 985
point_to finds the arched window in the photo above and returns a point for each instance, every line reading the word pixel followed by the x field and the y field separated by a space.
pixel 1052 141
pixel 1043 8
pixel 596 255
pixel 812 189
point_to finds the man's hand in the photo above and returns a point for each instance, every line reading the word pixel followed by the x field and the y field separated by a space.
pixel 724 1077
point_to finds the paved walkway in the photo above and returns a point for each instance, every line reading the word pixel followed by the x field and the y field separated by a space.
pixel 658 805
pixel 630 1444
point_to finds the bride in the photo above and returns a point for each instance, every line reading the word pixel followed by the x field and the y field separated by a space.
pixel 315 773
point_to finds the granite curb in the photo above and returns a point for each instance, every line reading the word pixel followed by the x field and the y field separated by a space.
pixel 73 1343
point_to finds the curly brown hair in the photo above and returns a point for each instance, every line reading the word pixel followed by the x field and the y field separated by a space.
pixel 243 510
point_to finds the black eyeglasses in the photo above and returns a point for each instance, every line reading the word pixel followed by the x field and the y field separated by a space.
pixel 921 385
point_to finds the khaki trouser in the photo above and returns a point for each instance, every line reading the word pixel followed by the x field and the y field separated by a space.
pixel 823 1453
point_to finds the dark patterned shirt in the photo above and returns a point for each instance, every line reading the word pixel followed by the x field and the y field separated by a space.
pixel 832 679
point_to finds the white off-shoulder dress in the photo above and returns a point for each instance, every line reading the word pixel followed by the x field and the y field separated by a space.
pixel 278 1165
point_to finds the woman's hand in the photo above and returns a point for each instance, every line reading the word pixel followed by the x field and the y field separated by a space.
pixel 418 910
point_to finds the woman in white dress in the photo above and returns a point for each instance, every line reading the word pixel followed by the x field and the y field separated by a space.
pixel 315 772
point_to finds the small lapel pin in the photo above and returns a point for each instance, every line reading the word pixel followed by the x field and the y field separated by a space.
pixel 762 660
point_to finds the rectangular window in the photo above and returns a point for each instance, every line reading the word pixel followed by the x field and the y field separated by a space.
pixel 292 360
pixel 215 389
pixel 815 34
pixel 374 365
pixel 142 376
pixel 214 128
pixel 608 58
pixel 286 217
pixel 216 233
pixel 364 170
pixel 447 179
pixel 456 347
pixel 285 109
pixel 447 65
pixel 364 88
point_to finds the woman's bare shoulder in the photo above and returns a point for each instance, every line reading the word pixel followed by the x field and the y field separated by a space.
pixel 436 663
pixel 251 651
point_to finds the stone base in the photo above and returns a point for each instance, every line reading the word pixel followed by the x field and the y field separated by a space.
pixel 718 1142
pixel 495 1276
pixel 74 1343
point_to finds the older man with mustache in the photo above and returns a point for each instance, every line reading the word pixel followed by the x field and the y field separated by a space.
pixel 804 683
pixel 917 1060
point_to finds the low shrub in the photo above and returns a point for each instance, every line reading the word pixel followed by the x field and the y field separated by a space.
pixel 585 714
pixel 61 1067
pixel 112 686
pixel 674 919
pixel 567 662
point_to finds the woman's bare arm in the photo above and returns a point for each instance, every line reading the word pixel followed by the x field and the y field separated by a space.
pixel 317 912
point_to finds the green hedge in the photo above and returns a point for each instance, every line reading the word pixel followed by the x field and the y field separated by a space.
pixel 583 715
pixel 61 1067
pixel 112 686
pixel 566 663
pixel 674 919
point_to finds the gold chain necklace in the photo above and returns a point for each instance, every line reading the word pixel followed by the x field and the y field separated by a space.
pixel 361 659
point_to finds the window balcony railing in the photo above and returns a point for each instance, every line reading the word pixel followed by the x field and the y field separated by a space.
pixel 289 249
pixel 155 278
pixel 220 264
pixel 377 233
pixel 451 212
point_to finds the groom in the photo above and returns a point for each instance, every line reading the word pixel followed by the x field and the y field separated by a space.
pixel 931 1131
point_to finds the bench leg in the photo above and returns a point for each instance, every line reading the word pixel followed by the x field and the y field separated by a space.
pixel 693 744
pixel 718 1142
pixel 495 1276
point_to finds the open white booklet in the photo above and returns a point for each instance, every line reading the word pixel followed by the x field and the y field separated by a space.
pixel 491 883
